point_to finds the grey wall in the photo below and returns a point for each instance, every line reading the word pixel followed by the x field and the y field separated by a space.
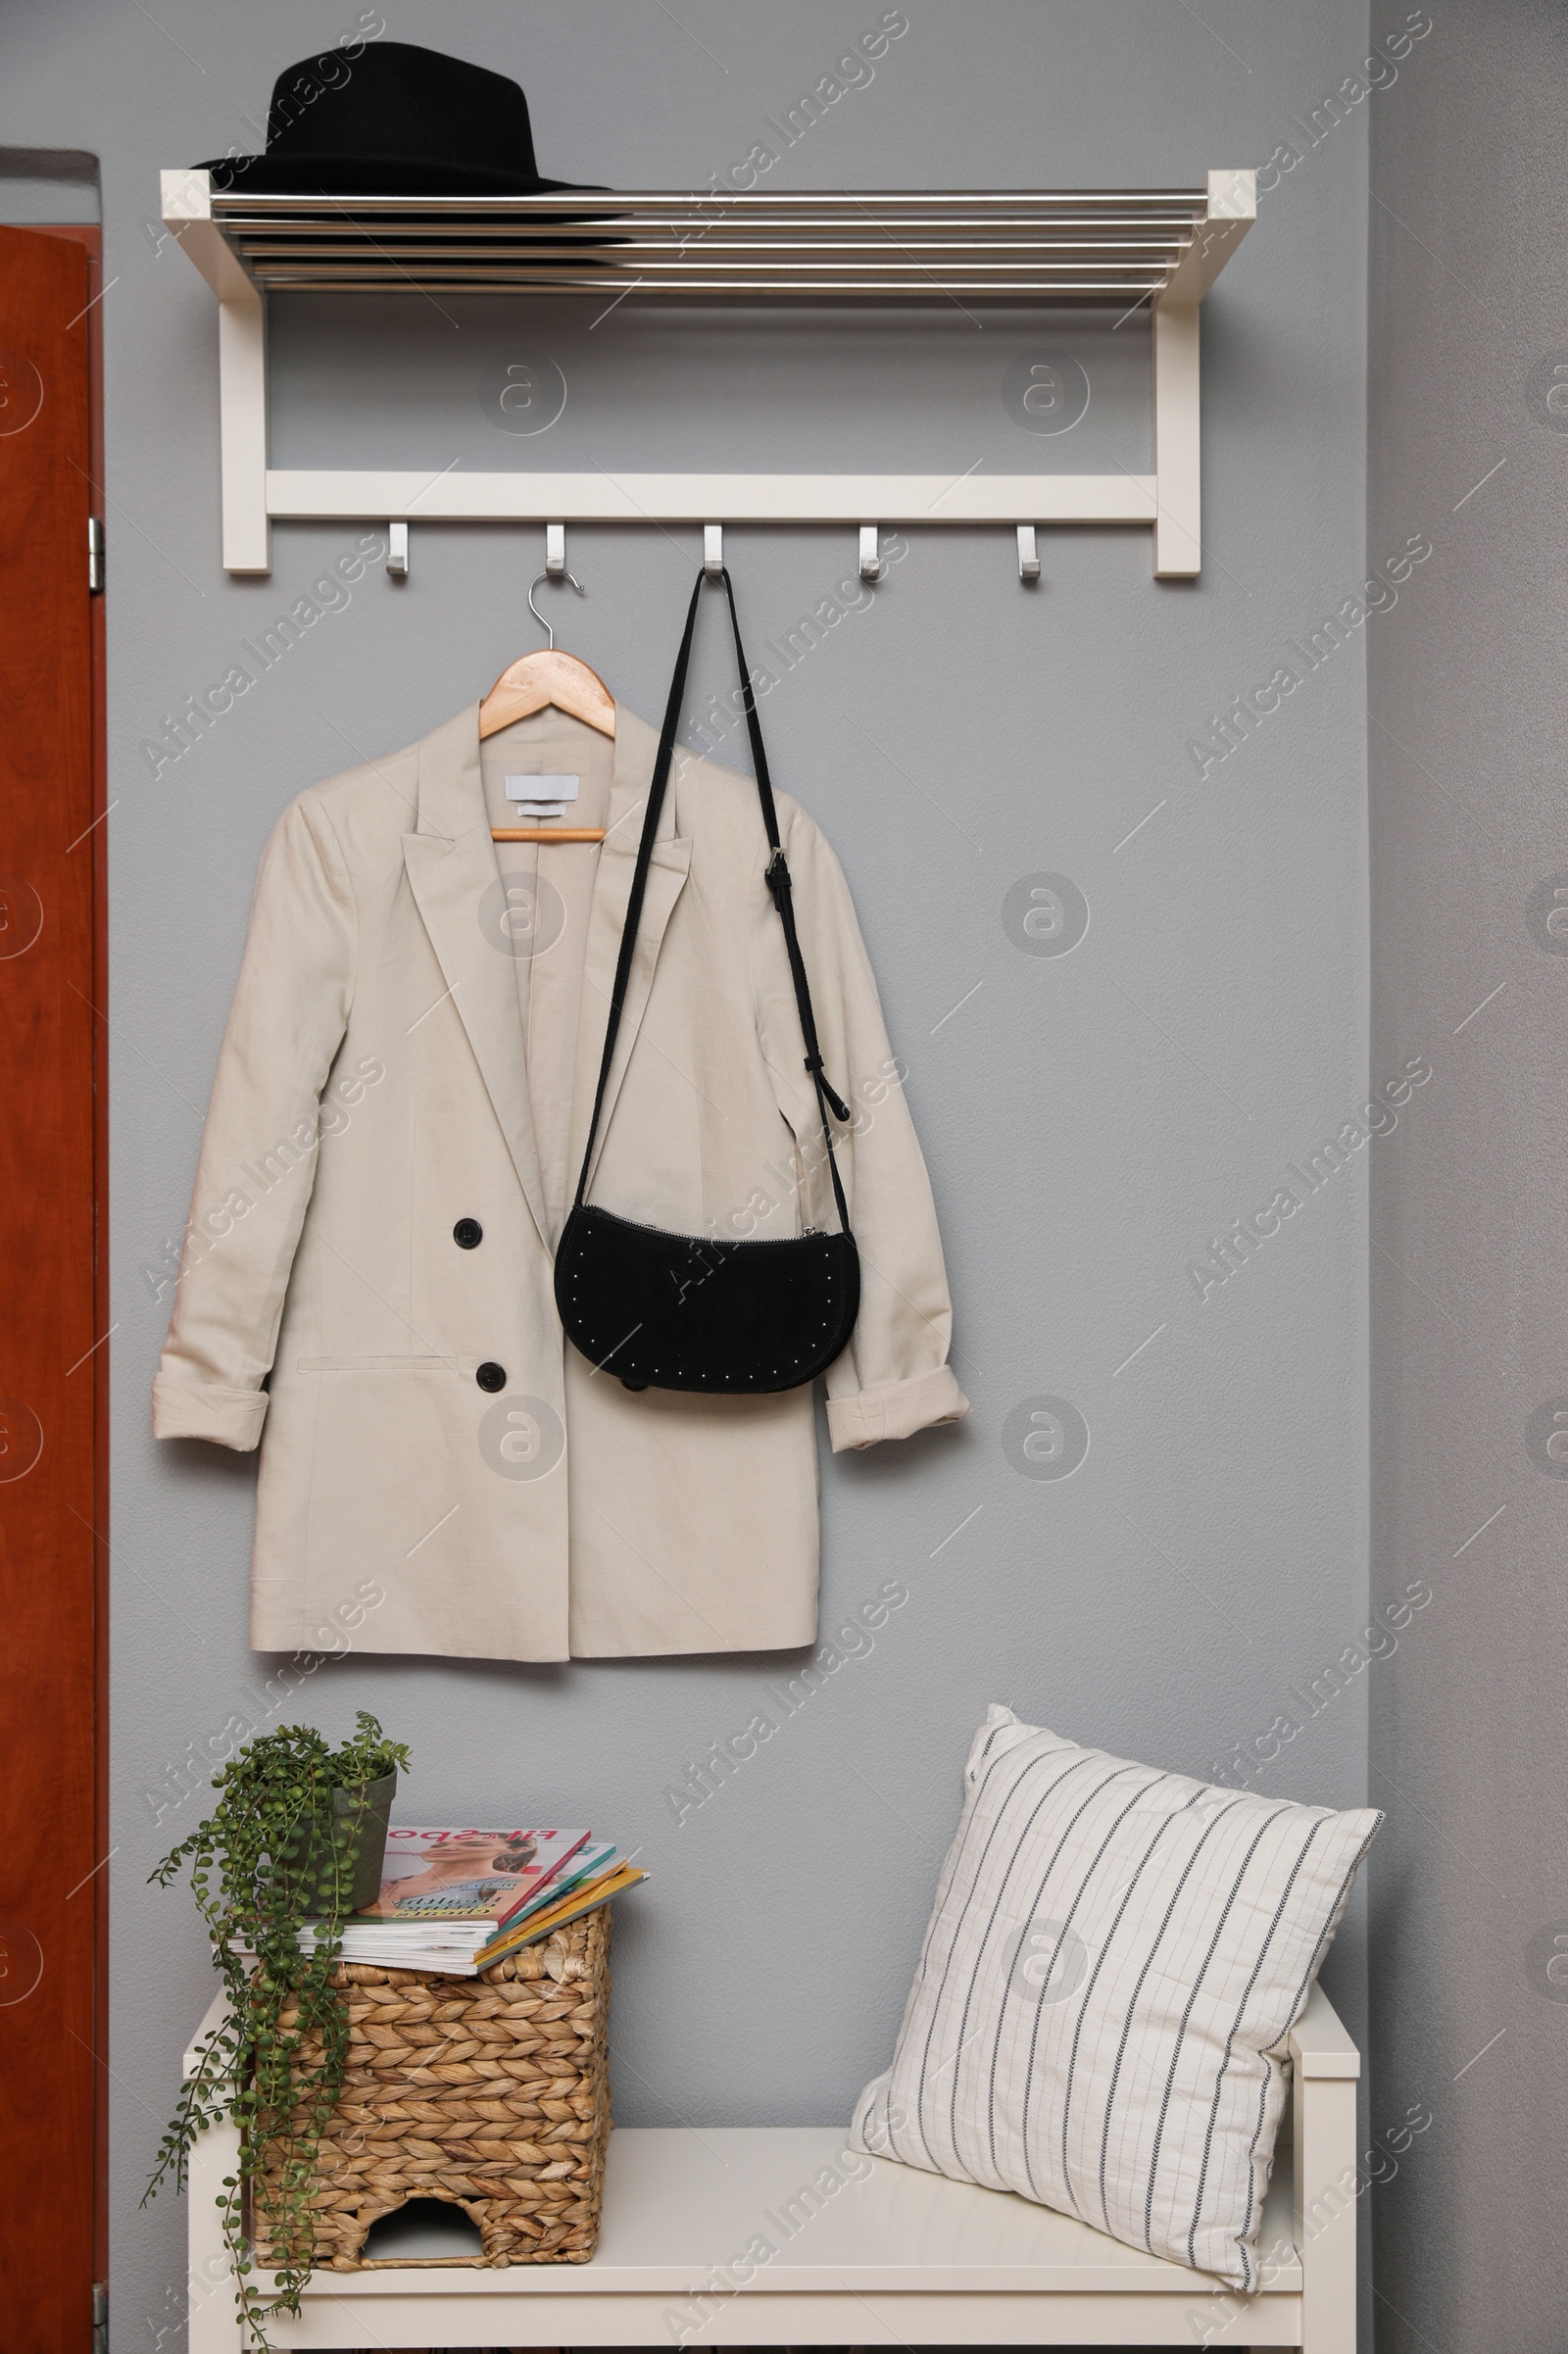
pixel 1470 1886
pixel 1092 1121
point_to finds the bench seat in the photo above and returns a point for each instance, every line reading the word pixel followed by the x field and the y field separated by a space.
pixel 775 2236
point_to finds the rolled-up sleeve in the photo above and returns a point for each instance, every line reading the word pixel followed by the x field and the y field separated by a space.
pixel 896 1409
pixel 257 1156
pixel 894 1378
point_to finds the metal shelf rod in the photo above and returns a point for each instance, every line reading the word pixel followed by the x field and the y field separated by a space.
pixel 1086 254
pixel 560 282
pixel 624 200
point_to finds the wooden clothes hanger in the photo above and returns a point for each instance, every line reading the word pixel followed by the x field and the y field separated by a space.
pixel 548 677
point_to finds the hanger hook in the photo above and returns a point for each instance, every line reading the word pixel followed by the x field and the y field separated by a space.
pixel 534 609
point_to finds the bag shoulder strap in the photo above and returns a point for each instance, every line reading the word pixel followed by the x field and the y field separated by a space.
pixel 777 877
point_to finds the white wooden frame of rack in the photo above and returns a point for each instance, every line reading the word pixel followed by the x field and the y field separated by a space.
pixel 1102 246
pixel 891 2256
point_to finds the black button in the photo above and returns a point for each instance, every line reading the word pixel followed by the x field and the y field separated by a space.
pixel 491 1376
pixel 468 1234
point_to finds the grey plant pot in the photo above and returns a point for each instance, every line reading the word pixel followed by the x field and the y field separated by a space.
pixel 361 1815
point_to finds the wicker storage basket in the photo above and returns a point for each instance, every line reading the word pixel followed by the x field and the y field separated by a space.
pixel 492 2093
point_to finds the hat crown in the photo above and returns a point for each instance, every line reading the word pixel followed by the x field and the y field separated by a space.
pixel 397 100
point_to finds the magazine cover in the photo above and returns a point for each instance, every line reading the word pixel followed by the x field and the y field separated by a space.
pixel 467 1875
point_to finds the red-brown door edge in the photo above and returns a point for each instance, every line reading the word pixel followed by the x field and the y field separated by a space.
pixel 65 1503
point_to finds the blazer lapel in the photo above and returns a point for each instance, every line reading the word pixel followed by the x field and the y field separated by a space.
pixel 636 748
pixel 451 865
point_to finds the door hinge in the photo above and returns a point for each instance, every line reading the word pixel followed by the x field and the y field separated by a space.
pixel 95 556
pixel 100 2316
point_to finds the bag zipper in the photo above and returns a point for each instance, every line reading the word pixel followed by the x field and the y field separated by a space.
pixel 729 1242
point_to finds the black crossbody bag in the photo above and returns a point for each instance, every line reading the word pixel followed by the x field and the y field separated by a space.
pixel 698 1312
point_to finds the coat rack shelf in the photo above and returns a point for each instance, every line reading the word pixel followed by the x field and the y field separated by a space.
pixel 1108 247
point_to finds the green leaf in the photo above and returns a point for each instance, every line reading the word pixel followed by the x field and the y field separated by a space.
pixel 276 2067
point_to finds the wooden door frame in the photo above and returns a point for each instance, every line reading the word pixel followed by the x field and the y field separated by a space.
pixel 89 235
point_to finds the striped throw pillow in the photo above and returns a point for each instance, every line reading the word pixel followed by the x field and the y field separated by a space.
pixel 1098 2018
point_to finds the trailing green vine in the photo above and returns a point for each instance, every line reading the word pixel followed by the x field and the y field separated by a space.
pixel 266 1860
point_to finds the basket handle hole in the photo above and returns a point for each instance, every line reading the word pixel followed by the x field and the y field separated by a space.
pixel 422 2229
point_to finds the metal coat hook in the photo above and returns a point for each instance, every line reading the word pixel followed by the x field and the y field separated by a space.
pixel 545 625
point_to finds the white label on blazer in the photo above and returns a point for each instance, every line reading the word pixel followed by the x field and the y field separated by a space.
pixel 543 788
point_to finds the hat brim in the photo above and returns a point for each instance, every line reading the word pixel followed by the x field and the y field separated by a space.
pixel 374 176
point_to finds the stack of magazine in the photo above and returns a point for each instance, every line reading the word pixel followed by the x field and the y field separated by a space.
pixel 458 1900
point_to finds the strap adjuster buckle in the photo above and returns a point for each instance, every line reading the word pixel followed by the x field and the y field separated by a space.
pixel 836 1104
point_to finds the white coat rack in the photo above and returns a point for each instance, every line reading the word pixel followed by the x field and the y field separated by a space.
pixel 1102 246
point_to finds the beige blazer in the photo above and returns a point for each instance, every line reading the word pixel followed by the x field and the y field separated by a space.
pixel 411 1055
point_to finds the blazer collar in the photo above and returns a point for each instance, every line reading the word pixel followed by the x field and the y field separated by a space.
pixel 450 865
pixel 452 792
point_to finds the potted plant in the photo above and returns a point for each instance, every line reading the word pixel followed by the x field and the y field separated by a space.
pixel 298 1835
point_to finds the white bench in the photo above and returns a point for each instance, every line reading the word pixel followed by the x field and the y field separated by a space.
pixel 775 2236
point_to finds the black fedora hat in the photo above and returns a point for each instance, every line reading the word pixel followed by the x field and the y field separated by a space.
pixel 392 119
